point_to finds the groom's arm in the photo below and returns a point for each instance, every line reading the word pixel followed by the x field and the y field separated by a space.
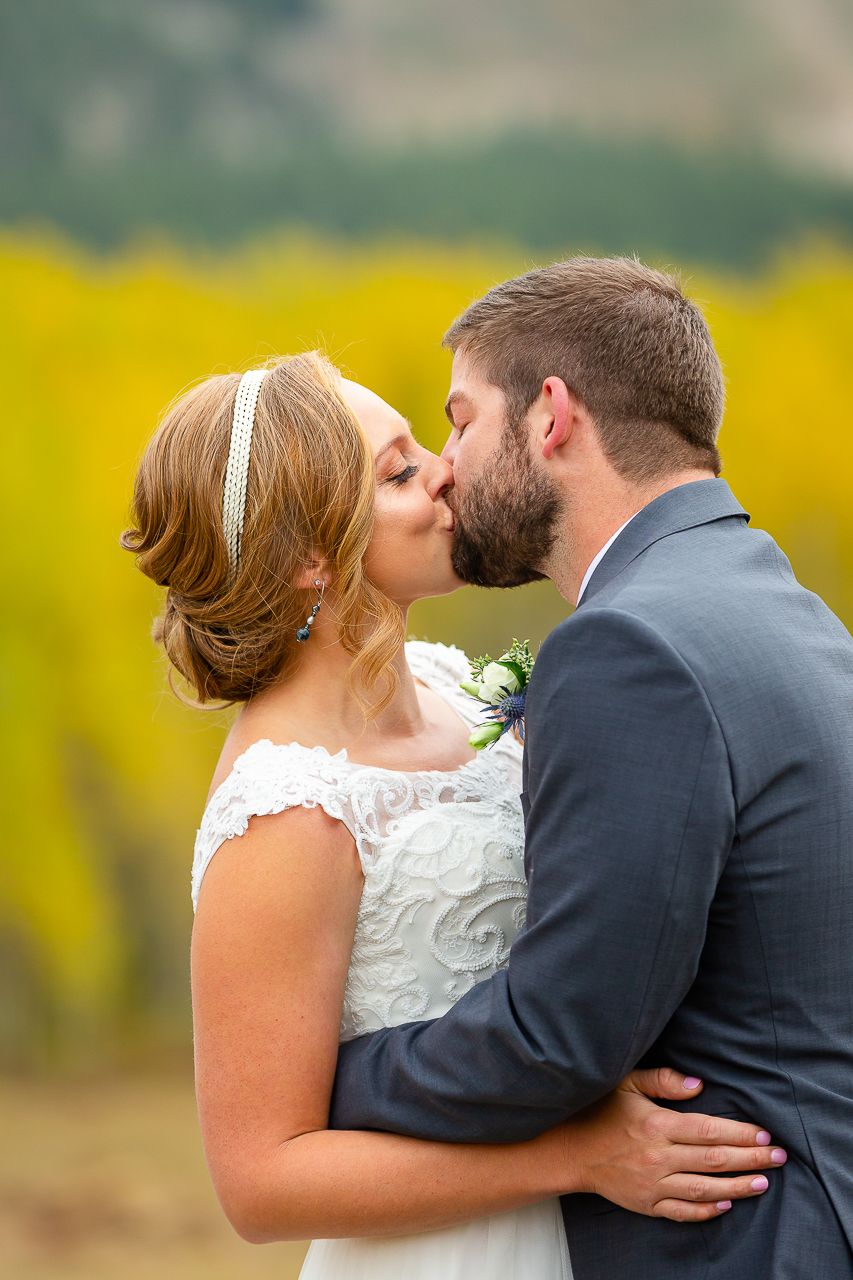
pixel 630 820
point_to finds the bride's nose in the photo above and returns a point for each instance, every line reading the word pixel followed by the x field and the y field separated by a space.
pixel 441 479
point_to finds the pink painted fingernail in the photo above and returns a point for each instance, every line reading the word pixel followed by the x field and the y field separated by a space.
pixel 762 1139
pixel 779 1156
pixel 691 1082
pixel 724 1204
pixel 760 1184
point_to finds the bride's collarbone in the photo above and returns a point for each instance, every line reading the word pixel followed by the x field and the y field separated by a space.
pixel 422 754
pixel 440 746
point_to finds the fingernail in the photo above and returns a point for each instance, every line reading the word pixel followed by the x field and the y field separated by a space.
pixel 760 1184
pixel 779 1156
pixel 762 1139
pixel 724 1204
pixel 691 1082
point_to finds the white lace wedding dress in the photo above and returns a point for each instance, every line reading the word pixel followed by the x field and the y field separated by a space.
pixel 444 896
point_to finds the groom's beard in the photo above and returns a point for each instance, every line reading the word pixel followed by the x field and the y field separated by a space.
pixel 506 519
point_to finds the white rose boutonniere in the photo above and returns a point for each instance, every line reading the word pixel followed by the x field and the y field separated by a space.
pixel 500 684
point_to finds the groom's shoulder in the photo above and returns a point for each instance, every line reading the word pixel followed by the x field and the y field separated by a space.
pixel 725 606
pixel 606 633
pixel 607 638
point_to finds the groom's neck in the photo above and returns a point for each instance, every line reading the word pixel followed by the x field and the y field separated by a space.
pixel 595 510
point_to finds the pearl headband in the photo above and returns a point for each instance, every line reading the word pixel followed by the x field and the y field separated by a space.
pixel 237 470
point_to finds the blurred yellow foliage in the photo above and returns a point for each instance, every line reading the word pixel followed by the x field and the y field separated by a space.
pixel 104 774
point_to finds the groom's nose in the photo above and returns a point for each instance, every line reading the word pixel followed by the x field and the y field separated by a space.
pixel 451 448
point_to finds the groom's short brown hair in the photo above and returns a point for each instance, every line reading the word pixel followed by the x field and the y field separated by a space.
pixel 627 342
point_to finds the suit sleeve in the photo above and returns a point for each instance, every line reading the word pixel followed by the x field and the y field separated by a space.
pixel 629 821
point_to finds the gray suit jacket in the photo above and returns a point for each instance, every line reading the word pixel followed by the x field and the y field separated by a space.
pixel 689 818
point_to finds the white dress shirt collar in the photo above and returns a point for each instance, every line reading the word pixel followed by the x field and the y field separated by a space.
pixel 596 560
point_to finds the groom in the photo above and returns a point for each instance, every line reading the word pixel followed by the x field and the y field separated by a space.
pixel 688 784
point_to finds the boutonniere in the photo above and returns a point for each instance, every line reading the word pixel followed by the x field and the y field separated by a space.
pixel 502 685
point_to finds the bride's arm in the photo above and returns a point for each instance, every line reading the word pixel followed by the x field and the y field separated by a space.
pixel 271 949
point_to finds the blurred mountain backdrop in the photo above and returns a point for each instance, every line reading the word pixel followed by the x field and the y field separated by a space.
pixel 706 130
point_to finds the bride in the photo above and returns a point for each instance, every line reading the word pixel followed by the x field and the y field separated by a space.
pixel 369 865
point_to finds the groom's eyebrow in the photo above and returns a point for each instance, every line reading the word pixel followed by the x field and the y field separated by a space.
pixel 455 397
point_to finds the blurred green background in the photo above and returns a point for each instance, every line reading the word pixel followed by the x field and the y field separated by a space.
pixel 189 185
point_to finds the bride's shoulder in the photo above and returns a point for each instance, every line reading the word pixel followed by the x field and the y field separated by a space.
pixel 268 778
pixel 266 758
pixel 437 665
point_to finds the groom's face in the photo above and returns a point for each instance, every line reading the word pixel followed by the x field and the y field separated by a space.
pixel 505 508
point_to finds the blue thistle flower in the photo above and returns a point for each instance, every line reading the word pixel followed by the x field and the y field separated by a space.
pixel 511 711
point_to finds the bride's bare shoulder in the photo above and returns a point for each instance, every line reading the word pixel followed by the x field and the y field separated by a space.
pixel 252 726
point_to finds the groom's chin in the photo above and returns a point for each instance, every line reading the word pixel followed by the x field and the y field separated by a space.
pixel 480 568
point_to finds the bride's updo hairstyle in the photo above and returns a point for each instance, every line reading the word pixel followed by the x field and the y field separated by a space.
pixel 310 490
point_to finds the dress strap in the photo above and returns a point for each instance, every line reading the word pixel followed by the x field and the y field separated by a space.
pixel 269 778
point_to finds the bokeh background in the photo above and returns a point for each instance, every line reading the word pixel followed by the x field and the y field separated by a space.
pixel 189 185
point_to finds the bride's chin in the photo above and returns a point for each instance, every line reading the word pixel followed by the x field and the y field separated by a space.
pixel 456 585
pixel 445 589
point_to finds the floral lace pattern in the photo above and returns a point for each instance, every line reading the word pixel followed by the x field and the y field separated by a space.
pixel 442 854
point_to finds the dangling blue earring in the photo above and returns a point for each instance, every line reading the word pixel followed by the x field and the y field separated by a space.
pixel 304 632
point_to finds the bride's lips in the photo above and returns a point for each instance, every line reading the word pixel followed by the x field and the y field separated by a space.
pixel 449 517
pixel 451 514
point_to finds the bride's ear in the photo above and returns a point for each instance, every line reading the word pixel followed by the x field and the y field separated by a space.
pixel 317 569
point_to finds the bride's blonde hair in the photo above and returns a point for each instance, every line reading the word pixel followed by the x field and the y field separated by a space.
pixel 310 491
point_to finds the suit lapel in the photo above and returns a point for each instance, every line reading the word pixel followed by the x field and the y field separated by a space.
pixel 689 505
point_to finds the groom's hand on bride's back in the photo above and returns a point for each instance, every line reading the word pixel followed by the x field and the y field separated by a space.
pixel 688 1167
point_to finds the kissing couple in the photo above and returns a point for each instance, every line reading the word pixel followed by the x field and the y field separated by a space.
pixel 390 1060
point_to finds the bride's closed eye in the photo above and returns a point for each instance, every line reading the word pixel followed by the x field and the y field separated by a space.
pixel 406 474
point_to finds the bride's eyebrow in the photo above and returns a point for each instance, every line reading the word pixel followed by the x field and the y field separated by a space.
pixel 402 438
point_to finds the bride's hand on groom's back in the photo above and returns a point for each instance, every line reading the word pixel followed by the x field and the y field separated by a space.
pixel 688 1167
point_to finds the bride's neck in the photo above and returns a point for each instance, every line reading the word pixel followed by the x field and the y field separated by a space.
pixel 316 696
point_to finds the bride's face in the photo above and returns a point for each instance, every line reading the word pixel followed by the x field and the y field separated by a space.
pixel 409 556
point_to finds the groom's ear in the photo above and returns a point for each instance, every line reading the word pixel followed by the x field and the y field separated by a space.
pixel 556 410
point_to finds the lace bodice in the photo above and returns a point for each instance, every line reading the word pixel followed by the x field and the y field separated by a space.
pixel 442 854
